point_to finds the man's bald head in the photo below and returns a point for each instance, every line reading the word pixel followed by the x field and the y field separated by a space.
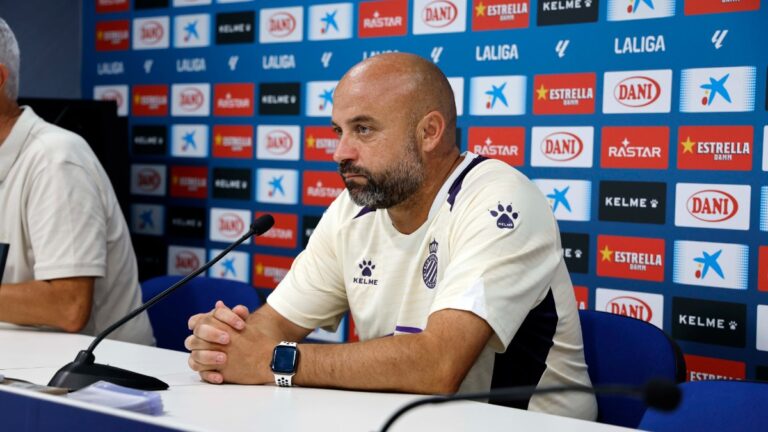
pixel 408 82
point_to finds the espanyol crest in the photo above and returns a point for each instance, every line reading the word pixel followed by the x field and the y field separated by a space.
pixel 429 270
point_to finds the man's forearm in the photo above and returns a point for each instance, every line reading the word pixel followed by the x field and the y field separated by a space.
pixel 60 303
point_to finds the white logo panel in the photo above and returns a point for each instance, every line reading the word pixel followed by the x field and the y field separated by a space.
pixel 148 179
pixel 712 206
pixel 629 92
pixel 281 25
pixel 623 10
pixel 457 85
pixel 724 89
pixel 192 31
pixel 147 219
pixel 234 266
pixel 277 186
pixel 762 328
pixel 566 146
pixel 765 148
pixel 320 98
pixel 228 225
pixel 191 100
pixel 439 16
pixel 183 3
pixel 117 93
pixel 764 208
pixel 720 265
pixel 183 260
pixel 151 33
pixel 278 142
pixel 189 140
pixel 330 21
pixel 643 306
pixel 497 95
pixel 570 199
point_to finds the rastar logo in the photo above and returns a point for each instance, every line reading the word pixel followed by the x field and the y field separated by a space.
pixel 640 147
pixel 707 368
pixel 712 205
pixel 320 143
pixel 383 18
pixel 321 187
pixel 643 306
pixel 150 100
pixel 637 91
pixel 630 257
pixel 233 99
pixel 269 270
pixel 283 234
pixel 230 141
pixel 189 182
pixel 698 7
pixel 112 35
pixel 500 14
pixel 439 13
pixel 715 147
pixel 504 143
pixel 564 94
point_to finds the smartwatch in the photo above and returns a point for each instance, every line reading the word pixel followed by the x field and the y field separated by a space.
pixel 285 359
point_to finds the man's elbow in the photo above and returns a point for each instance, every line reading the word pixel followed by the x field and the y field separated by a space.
pixel 75 317
pixel 447 379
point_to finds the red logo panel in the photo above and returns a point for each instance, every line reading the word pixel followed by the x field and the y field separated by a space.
pixel 112 35
pixel 283 232
pixel 762 269
pixel 500 14
pixel 564 93
pixel 708 368
pixel 104 6
pixel 582 296
pixel 189 182
pixel 630 257
pixel 383 18
pixel 150 100
pixel 697 7
pixel 321 187
pixel 715 148
pixel 269 270
pixel 640 147
pixel 233 99
pixel 320 143
pixel 503 143
pixel 233 141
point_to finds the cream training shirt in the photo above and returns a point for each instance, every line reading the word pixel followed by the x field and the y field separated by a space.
pixel 490 246
pixel 61 218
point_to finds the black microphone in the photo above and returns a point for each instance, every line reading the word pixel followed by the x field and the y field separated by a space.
pixel 661 394
pixel 83 371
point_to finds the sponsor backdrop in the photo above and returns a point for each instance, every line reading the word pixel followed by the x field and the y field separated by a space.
pixel 642 121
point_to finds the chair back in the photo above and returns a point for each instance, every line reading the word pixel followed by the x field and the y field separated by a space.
pixel 720 406
pixel 626 351
pixel 169 317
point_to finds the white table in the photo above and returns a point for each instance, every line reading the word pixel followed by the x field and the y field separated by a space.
pixel 194 405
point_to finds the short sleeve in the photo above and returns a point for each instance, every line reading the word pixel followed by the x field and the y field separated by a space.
pixel 312 294
pixel 504 250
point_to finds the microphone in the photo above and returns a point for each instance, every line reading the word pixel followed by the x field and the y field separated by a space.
pixel 84 371
pixel 661 394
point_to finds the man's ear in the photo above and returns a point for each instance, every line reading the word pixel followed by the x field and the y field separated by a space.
pixel 430 130
pixel 4 75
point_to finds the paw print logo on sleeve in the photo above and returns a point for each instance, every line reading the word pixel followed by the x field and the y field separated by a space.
pixel 505 216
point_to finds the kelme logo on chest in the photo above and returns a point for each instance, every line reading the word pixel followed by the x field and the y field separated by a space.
pixel 366 274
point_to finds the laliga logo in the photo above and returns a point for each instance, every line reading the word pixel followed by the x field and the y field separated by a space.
pixel 151 32
pixel 279 142
pixel 439 13
pixel 186 260
pixel 281 24
pixel 561 146
pixel 113 95
pixel 230 225
pixel 191 99
pixel 712 205
pixel 631 307
pixel 148 179
pixel 637 91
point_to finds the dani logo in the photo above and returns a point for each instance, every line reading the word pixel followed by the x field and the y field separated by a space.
pixel 562 146
pixel 439 16
pixel 281 25
pixel 712 206
pixel 639 305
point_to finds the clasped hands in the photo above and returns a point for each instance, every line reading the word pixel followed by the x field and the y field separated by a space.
pixel 225 348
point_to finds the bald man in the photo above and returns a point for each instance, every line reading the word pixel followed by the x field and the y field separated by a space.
pixel 449 263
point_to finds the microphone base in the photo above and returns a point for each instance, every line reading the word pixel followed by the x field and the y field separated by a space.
pixel 83 372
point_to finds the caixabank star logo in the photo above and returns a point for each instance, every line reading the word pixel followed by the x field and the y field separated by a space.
pixel 624 10
pixel 718 265
pixel 722 89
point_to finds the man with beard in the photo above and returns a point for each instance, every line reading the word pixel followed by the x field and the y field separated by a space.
pixel 444 260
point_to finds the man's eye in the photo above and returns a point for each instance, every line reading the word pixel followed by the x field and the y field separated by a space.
pixel 363 130
pixel 337 131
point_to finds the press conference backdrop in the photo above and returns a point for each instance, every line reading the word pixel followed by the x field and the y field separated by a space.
pixel 642 121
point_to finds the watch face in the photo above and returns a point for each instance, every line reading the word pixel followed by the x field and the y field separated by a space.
pixel 284 359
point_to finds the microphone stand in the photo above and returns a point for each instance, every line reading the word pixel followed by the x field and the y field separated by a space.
pixel 84 371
